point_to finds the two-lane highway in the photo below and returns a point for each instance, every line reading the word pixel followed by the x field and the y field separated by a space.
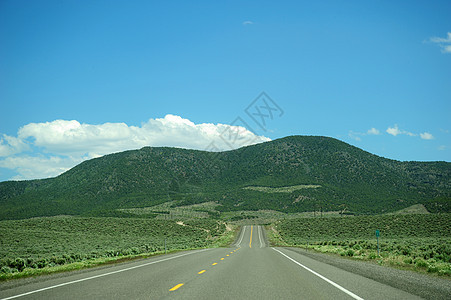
pixel 248 270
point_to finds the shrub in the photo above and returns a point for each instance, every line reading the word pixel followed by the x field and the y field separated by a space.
pixel 357 247
pixel 6 270
pixel 421 263
pixel 18 264
pixel 42 263
pixel 408 260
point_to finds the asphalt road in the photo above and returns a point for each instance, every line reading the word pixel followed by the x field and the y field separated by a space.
pixel 248 270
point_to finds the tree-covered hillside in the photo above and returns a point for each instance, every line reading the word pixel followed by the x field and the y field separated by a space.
pixel 345 178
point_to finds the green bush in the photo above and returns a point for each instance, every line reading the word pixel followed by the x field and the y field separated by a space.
pixel 18 264
pixel 421 263
pixel 408 260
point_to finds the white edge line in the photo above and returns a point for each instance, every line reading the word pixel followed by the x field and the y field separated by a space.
pixel 322 277
pixel 260 236
pixel 101 275
pixel 242 235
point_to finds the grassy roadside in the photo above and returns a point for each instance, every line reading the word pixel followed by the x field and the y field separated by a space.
pixel 227 238
pixel 34 259
pixel 429 251
pixel 223 241
pixel 31 272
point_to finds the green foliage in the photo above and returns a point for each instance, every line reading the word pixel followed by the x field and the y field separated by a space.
pixel 293 174
pixel 51 241
pixel 363 227
pixel 419 241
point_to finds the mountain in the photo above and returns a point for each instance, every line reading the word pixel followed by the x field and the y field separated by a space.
pixel 292 174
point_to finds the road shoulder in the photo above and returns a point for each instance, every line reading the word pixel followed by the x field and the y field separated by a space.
pixel 425 286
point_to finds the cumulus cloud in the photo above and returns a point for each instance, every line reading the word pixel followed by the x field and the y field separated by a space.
pixel 393 130
pixel 66 143
pixel 444 43
pixel 373 131
pixel 10 145
pixel 358 135
pixel 35 167
pixel 426 136
pixel 248 23
pixel 396 131
pixel 72 138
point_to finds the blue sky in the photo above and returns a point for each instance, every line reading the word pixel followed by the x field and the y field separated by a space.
pixel 80 79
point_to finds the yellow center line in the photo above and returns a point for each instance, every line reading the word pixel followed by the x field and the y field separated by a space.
pixel 222 258
pixel 231 252
pixel 250 241
pixel 203 271
pixel 227 255
pixel 214 264
pixel 176 287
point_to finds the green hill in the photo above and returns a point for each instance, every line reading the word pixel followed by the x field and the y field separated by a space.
pixel 292 174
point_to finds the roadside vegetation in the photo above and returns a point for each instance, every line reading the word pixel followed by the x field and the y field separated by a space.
pixel 419 242
pixel 45 245
pixel 53 244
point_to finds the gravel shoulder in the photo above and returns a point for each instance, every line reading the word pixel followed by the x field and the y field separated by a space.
pixel 425 286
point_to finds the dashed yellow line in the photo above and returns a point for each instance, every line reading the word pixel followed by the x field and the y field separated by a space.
pixel 176 287
pixel 213 264
pixel 250 241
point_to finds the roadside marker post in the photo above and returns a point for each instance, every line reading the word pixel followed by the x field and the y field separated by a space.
pixel 378 233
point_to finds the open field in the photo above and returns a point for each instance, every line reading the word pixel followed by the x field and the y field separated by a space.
pixel 420 242
pixel 48 242
pixel 285 189
pixel 170 210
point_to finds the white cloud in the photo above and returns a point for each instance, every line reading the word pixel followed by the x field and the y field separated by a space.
pixel 248 23
pixel 393 130
pixel 67 143
pixel 373 131
pixel 357 135
pixel 10 145
pixel 442 40
pixel 426 136
pixel 444 43
pixel 442 148
pixel 396 131
pixel 31 167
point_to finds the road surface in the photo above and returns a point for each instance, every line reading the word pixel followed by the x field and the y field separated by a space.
pixel 247 270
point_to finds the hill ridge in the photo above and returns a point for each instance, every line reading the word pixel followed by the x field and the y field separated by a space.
pixel 349 177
